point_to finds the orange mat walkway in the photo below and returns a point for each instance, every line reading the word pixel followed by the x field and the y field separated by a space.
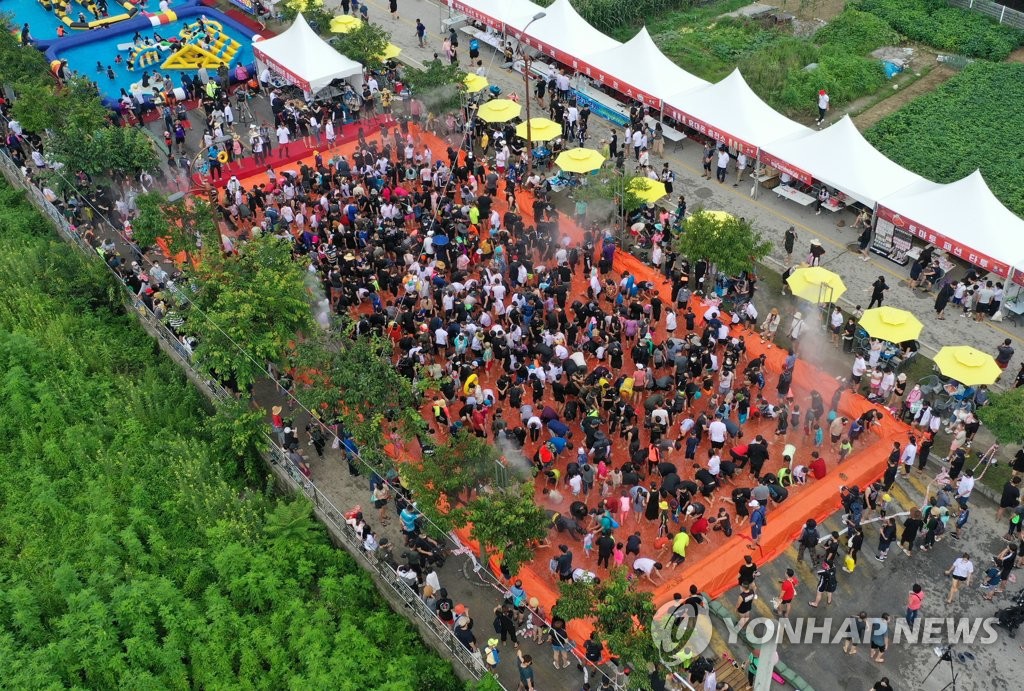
pixel 712 566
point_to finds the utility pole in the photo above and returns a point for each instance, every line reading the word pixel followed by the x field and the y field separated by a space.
pixel 526 83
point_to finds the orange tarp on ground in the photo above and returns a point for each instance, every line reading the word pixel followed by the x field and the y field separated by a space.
pixel 712 566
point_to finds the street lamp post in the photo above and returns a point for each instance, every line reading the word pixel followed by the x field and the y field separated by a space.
pixel 526 82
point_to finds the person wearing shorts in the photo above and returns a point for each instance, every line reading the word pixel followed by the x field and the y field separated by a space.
pixel 787 593
pixel 961 572
pixel 679 544
pixel 879 638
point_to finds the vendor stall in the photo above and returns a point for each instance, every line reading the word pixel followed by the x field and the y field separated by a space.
pixel 300 57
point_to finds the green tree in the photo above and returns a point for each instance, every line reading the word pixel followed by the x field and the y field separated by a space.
pixel 339 376
pixel 622 617
pixel 608 195
pixel 20 65
pixel 437 85
pixel 1003 415
pixel 186 224
pixel 508 521
pixel 252 306
pixel 728 242
pixel 148 562
pixel 364 44
pixel 315 11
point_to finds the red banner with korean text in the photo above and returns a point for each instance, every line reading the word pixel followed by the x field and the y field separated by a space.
pixel 951 247
pixel 710 131
pixel 286 73
pixel 783 167
pixel 577 65
pixel 477 15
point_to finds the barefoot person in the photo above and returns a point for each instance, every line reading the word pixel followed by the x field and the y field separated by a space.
pixel 961 572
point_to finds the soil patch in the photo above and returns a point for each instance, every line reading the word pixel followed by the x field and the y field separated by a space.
pixel 938 74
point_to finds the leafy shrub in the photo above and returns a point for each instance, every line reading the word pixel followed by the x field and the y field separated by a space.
pixel 767 69
pixel 947 28
pixel 712 51
pixel 845 77
pixel 972 121
pixel 133 554
pixel 856 33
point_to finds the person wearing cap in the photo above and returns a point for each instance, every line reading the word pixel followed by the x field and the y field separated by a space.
pixel 758 520
pixel 823 106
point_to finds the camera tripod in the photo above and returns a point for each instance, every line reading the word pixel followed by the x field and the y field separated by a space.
pixel 946 654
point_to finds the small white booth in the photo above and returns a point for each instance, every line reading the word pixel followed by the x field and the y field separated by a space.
pixel 300 57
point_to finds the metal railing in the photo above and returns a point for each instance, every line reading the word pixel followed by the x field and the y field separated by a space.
pixel 1001 13
pixel 276 457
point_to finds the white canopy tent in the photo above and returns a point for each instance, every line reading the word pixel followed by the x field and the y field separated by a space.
pixel 729 111
pixel 304 59
pixel 562 33
pixel 495 13
pixel 963 218
pixel 840 157
pixel 639 66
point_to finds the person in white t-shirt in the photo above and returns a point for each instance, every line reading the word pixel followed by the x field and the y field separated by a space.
pixel 647 568
pixel 822 106
pixel 961 572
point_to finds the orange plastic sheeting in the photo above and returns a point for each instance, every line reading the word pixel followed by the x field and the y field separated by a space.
pixel 179 259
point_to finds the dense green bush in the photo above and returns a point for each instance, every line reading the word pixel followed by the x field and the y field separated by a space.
pixel 972 121
pixel 846 78
pixel 856 33
pixel 773 61
pixel 712 51
pixel 947 28
pixel 132 556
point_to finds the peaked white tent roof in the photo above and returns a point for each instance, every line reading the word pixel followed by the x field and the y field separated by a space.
pixel 303 58
pixel 966 213
pixel 562 28
pixel 842 158
pixel 731 109
pixel 495 13
pixel 640 64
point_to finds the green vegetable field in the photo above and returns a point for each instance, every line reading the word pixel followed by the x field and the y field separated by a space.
pixel 938 24
pixel 972 121
pixel 131 553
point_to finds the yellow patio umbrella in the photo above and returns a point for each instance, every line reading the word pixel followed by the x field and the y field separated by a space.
pixel 646 189
pixel 474 83
pixel 891 324
pixel 344 23
pixel 968 366
pixel 717 215
pixel 815 284
pixel 541 130
pixel 499 110
pixel 390 51
pixel 579 160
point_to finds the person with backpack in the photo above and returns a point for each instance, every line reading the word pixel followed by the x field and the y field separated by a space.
pixel 492 656
pixel 504 624
pixel 809 541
